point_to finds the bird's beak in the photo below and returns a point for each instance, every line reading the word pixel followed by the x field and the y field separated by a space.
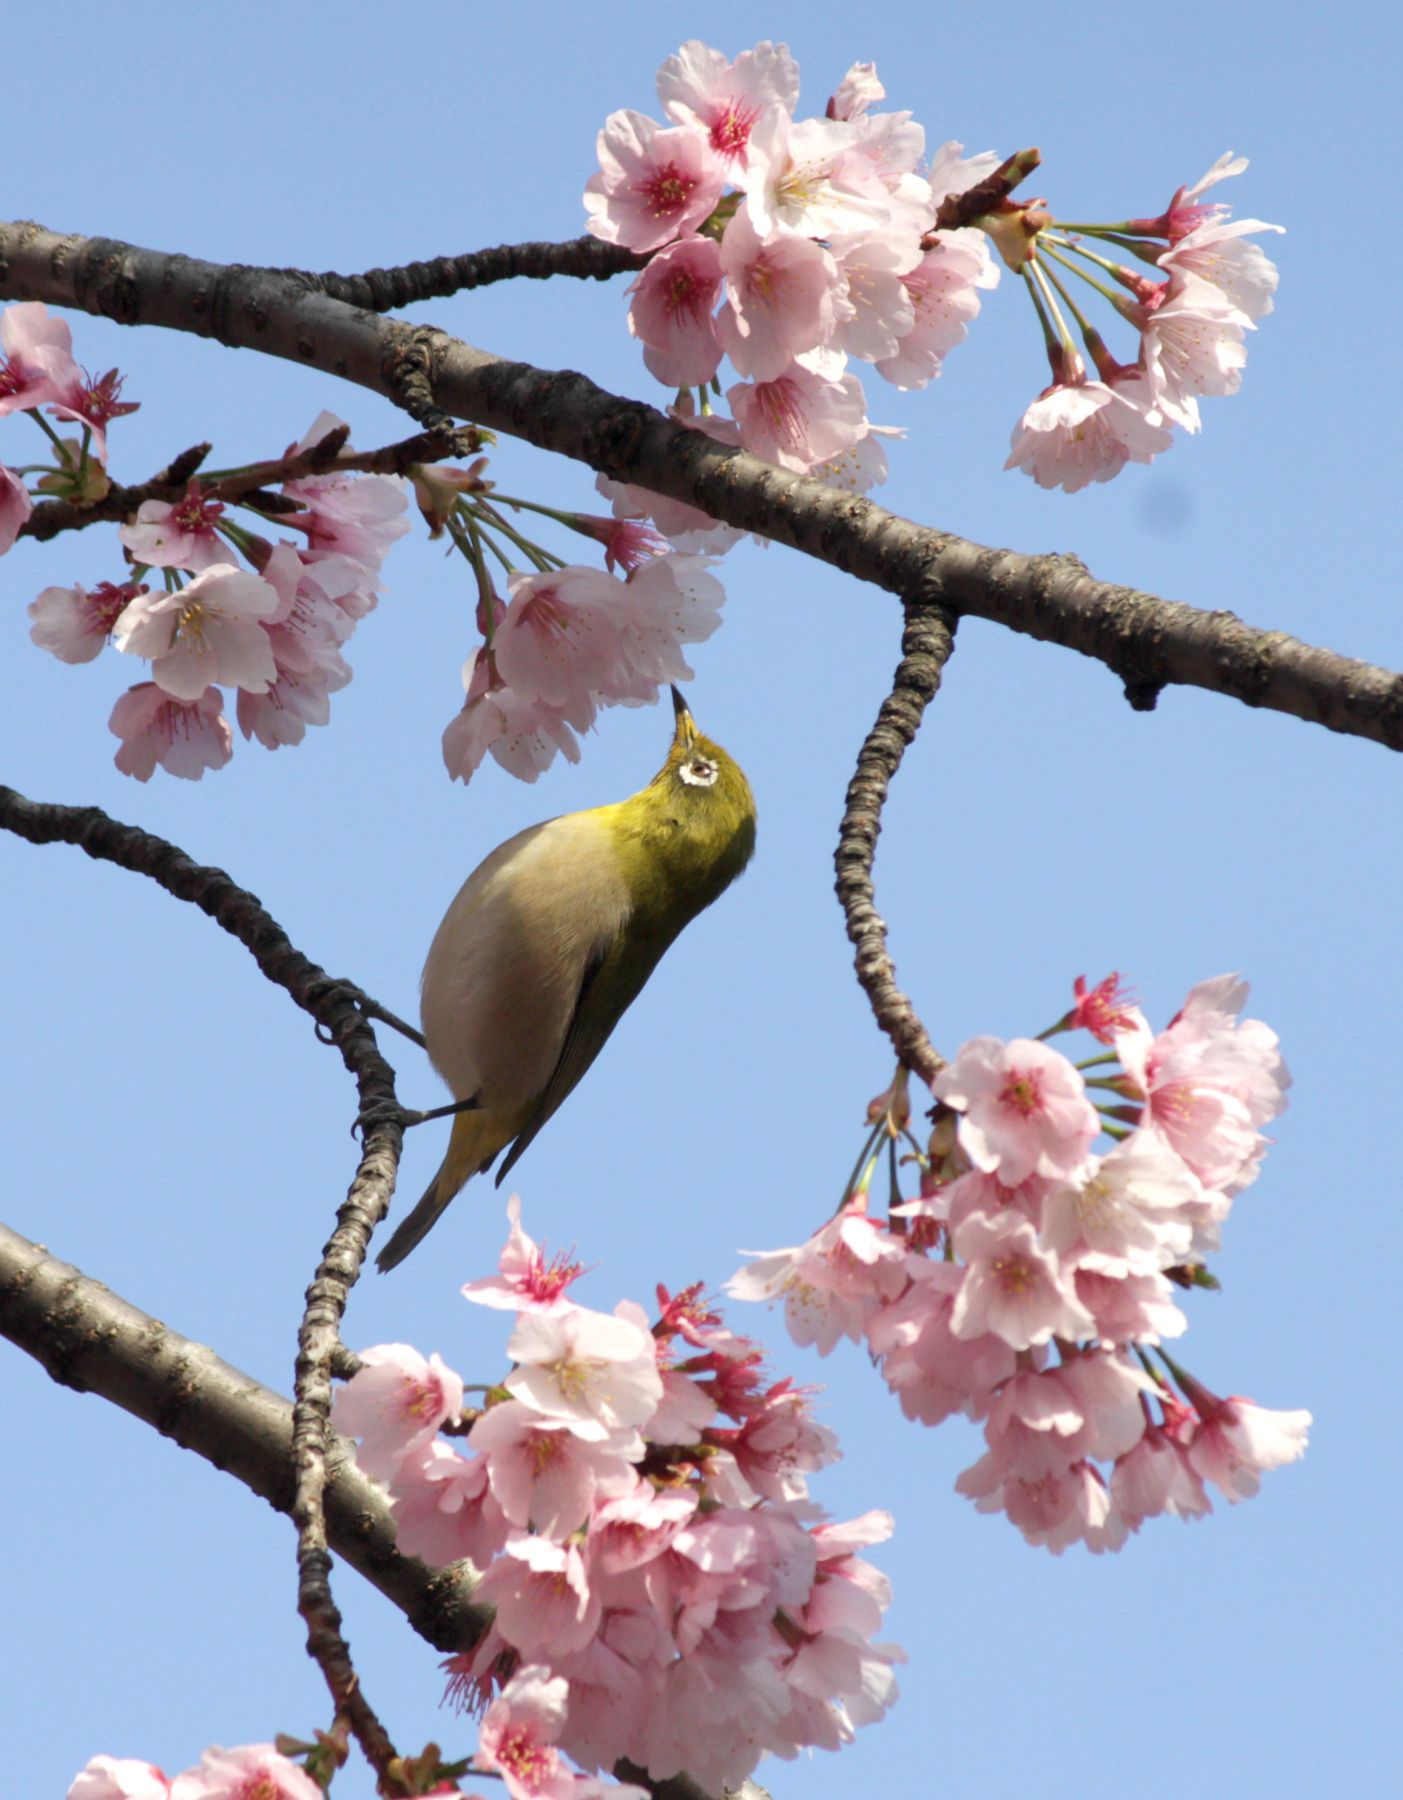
pixel 686 733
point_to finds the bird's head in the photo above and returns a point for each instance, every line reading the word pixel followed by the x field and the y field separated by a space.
pixel 697 814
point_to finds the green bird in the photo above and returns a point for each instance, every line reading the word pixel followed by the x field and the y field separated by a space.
pixel 550 940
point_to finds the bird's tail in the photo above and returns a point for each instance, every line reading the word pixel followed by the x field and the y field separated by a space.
pixel 477 1137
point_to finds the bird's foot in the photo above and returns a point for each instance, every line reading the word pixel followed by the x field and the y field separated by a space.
pixel 390 1112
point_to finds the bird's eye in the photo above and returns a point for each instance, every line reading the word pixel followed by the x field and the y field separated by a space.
pixel 699 772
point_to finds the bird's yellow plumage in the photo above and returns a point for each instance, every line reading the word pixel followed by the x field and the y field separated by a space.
pixel 551 938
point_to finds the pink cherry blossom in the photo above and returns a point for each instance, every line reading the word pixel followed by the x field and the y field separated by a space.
pixel 1211 1080
pixel 1084 431
pixel 557 642
pixel 655 183
pixel 932 1372
pixel 209 631
pixel 1126 1209
pixel 118 1778
pixel 1012 1287
pixel 1185 214
pixel 543 1474
pixel 444 1509
pixel 74 624
pixel 810 178
pixel 875 305
pixel 253 1770
pixel 546 1605
pixel 673 312
pixel 800 418
pixel 586 1367
pixel 395 1403
pixel 516 1739
pixel 15 507
pixel 833 1283
pixel 1101 1010
pixel 942 292
pixel 38 357
pixel 526 1280
pixel 1218 252
pixel 780 294
pixel 1155 1476
pixel 858 90
pixel 699 87
pixel 179 535
pixel 184 738
pixel 348 514
pixel 522 735
pixel 1192 347
pixel 93 401
pixel 1236 1440
pixel 668 602
pixel 1025 1110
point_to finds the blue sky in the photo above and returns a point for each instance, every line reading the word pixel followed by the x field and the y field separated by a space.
pixel 177 1132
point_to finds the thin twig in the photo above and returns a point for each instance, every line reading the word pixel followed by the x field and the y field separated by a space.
pixel 338 1016
pixel 121 504
pixel 926 646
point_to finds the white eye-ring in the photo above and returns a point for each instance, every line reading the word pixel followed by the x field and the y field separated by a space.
pixel 699 772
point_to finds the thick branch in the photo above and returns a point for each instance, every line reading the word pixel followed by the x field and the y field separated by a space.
pixel 1147 641
pixel 926 645
pixel 89 1339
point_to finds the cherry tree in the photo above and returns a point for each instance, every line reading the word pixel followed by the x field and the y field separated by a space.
pixel 611 1522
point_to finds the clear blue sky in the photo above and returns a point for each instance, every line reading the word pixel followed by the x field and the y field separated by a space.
pixel 176 1131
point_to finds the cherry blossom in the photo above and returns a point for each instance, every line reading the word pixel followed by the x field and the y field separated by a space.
pixel 557 642
pixel 209 631
pixel 517 1737
pixel 15 507
pixel 655 183
pixel 184 738
pixel 254 1769
pixel 73 624
pixel 526 1281
pixel 347 514
pixel 780 294
pixel 37 357
pixel 1083 431
pixel 522 735
pixel 832 1284
pixel 699 87
pixel 118 1778
pixel 800 418
pixel 1211 1081
pixel 395 1404
pixel 1024 1108
pixel 177 535
pixel 1012 1287
pixel 1236 1440
pixel 586 1367
pixel 673 312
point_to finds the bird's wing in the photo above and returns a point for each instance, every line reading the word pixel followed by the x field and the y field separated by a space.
pixel 610 983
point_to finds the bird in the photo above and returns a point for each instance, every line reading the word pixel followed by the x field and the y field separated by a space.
pixel 550 940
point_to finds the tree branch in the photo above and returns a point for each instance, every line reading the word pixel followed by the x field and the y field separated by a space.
pixel 1149 642
pixel 926 647
pixel 90 1339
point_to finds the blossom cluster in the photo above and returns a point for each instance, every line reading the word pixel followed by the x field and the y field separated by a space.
pixel 252 1772
pixel 1032 1282
pixel 635 1496
pixel 570 640
pixel 272 627
pixel 792 247
pixel 1192 323
pixel 795 247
